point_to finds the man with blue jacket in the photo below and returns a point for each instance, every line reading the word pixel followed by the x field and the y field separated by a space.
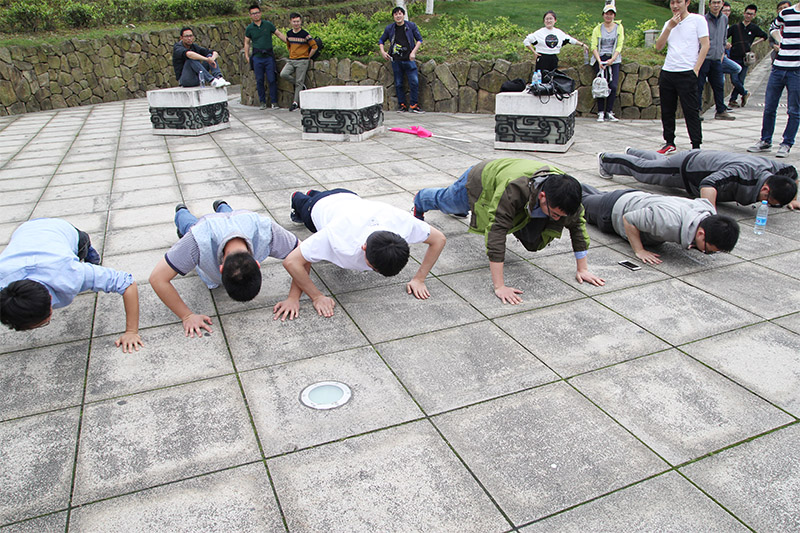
pixel 403 39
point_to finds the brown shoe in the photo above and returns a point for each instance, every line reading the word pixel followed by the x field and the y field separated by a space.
pixel 745 96
pixel 733 103
pixel 724 116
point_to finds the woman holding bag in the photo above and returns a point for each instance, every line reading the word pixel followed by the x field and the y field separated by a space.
pixel 607 39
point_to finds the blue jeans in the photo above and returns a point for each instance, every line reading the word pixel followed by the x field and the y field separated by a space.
pixel 778 79
pixel 265 66
pixel 737 91
pixel 729 66
pixel 184 220
pixel 410 70
pixel 190 75
pixel 713 71
pixel 452 200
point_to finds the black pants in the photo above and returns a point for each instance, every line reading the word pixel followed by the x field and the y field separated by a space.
pixel 302 204
pixel 683 85
pixel 84 243
pixel 598 206
pixel 531 235
pixel 547 62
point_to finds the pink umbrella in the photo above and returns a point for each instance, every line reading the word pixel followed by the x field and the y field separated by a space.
pixel 419 131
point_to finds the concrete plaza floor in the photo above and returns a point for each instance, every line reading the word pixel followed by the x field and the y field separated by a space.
pixel 667 400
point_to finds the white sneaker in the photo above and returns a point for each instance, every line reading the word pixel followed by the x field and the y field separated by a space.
pixel 783 150
pixel 601 117
pixel 219 82
pixel 600 170
pixel 626 150
pixel 610 117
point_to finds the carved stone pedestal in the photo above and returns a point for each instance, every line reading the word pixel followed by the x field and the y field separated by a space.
pixel 342 113
pixel 523 121
pixel 188 110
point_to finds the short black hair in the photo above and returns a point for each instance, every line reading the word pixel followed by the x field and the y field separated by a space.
pixel 782 188
pixel 184 29
pixel 295 16
pixel 721 231
pixel 387 252
pixel 23 304
pixel 253 6
pixel 751 6
pixel 400 9
pixel 724 4
pixel 563 192
pixel 241 276
pixel 783 2
pixel 551 12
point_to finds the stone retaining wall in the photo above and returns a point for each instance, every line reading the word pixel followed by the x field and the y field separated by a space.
pixel 79 72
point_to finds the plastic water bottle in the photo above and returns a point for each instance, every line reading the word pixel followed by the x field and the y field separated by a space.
pixel 202 79
pixel 537 78
pixel 761 218
pixel 585 56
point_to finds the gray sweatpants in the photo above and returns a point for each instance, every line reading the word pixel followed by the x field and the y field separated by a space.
pixel 295 72
pixel 647 166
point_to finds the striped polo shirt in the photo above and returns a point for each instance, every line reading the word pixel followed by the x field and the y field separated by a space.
pixel 788 22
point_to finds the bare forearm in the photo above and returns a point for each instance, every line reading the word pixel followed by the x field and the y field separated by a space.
pixel 710 194
pixel 436 243
pixel 496 269
pixel 130 299
pixel 634 237
pixel 169 295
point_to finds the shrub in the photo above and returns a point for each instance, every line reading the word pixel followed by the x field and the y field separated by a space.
pixel 78 15
pixel 495 38
pixel 347 35
pixel 635 38
pixel 26 15
pixel 583 26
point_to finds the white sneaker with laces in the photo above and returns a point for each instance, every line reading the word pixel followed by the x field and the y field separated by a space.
pixel 610 117
pixel 219 82
pixel 600 170
pixel 601 117
pixel 783 150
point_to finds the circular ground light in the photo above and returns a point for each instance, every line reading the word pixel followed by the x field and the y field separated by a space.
pixel 325 395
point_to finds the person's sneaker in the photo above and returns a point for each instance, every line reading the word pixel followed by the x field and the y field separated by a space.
pixel 745 96
pixel 219 82
pixel 218 203
pixel 402 108
pixel 294 106
pixel 274 106
pixel 667 149
pixel 724 116
pixel 733 103
pixel 610 117
pixel 418 213
pixel 94 258
pixel 293 214
pixel 601 117
pixel 262 106
pixel 180 206
pixel 603 173
pixel 415 109
pixel 760 146
pixel 626 150
pixel 783 150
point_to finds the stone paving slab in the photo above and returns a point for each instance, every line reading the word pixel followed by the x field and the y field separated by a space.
pixel 460 405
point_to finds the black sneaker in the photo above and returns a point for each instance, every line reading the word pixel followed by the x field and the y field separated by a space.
pixel 294 106
pixel 293 214
pixel 402 108
pixel 94 258
pixel 415 109
pixel 218 203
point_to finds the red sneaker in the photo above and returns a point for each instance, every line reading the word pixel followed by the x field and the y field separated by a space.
pixel 667 149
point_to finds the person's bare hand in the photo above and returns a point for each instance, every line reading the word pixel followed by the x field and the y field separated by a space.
pixel 288 308
pixel 650 258
pixel 418 289
pixel 508 295
pixel 129 341
pixel 196 324
pixel 588 277
pixel 793 205
pixel 324 306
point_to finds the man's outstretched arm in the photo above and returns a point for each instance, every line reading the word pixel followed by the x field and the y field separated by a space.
pixel 298 267
pixel 435 241
pixel 130 340
pixel 635 240
pixel 161 281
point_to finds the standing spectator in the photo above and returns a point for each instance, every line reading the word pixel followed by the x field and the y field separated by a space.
pixel 743 36
pixel 546 43
pixel 687 36
pixel 300 46
pixel 404 41
pixel 259 35
pixel 712 65
pixel 607 39
pixel 729 67
pixel 783 4
pixel 191 62
pixel 785 73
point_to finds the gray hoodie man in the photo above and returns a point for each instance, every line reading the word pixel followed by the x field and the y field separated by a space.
pixel 717 176
pixel 643 218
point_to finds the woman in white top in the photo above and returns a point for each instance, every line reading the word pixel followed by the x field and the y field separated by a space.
pixel 546 43
pixel 607 39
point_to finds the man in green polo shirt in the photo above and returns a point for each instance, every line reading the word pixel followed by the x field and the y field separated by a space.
pixel 259 34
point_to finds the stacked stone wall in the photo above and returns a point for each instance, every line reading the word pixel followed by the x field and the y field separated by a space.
pixel 80 72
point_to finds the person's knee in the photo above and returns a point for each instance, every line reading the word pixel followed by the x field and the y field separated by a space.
pixel 387 252
pixel 241 276
pixel 24 304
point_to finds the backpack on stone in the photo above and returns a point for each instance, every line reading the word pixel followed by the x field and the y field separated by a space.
pixel 600 88
pixel 320 47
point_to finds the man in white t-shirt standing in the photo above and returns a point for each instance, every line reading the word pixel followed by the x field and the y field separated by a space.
pixel 357 234
pixel 687 36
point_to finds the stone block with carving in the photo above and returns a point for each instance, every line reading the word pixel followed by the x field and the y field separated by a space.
pixel 527 122
pixel 342 113
pixel 188 111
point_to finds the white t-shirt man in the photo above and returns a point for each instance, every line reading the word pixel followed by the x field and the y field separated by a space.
pixel 683 43
pixel 345 221
pixel 548 42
